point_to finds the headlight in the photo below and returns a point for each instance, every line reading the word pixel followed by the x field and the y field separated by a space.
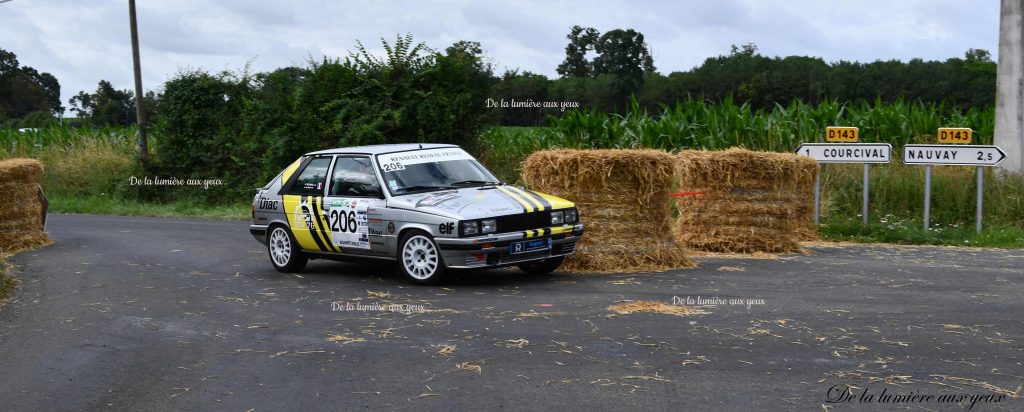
pixel 557 217
pixel 470 228
pixel 570 216
pixel 488 226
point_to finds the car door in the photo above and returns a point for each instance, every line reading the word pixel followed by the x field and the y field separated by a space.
pixel 354 207
pixel 303 204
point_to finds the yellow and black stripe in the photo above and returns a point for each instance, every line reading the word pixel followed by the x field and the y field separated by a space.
pixel 322 222
pixel 309 238
pixel 527 206
pixel 539 203
pixel 534 201
pixel 547 231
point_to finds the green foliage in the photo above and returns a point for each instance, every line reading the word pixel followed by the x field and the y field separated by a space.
pixel 105 107
pixel 746 76
pixel 245 128
pixel 622 58
pixel 200 136
pixel 25 91
pixel 698 124
pixel 581 40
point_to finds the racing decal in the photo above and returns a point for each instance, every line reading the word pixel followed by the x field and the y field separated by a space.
pixel 391 227
pixel 556 202
pixel 375 225
pixel 541 203
pixel 321 224
pixel 288 171
pixel 393 162
pixel 447 228
pixel 267 204
pixel 548 231
pixel 301 221
pixel 348 223
pixel 436 199
pixel 527 207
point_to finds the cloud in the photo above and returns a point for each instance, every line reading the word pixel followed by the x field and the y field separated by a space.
pixel 83 42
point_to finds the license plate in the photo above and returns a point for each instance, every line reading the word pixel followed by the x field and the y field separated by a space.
pixel 529 246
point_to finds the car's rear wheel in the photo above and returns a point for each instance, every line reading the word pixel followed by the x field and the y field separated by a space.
pixel 419 258
pixel 285 253
pixel 542 267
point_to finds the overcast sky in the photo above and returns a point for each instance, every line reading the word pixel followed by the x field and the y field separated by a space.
pixel 81 42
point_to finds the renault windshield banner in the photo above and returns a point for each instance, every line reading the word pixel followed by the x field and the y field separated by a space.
pixel 398 160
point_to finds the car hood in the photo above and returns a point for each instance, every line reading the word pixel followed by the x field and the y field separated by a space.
pixel 479 202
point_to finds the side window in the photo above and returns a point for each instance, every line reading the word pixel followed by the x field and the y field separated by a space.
pixel 311 180
pixel 354 176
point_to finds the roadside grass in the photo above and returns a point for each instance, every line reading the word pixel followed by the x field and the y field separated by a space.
pixel 911 232
pixel 110 205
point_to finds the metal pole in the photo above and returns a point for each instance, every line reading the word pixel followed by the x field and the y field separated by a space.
pixel 817 196
pixel 981 185
pixel 927 194
pixel 864 206
pixel 140 111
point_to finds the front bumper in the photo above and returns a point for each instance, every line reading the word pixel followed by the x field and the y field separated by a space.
pixel 493 250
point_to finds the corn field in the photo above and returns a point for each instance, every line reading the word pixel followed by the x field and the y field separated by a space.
pixel 696 124
pixel 31 143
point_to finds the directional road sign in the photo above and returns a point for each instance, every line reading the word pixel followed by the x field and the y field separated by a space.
pixel 964 155
pixel 847 152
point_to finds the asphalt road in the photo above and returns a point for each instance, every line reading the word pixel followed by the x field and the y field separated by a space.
pixel 161 314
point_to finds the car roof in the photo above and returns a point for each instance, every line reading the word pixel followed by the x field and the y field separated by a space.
pixel 380 148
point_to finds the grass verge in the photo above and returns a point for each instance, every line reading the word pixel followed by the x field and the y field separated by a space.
pixel 109 205
pixel 911 231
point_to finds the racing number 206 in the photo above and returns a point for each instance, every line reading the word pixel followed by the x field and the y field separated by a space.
pixel 342 221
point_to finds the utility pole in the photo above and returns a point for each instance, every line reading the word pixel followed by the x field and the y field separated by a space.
pixel 140 110
pixel 1009 133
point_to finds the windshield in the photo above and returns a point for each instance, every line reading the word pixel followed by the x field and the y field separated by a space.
pixel 431 169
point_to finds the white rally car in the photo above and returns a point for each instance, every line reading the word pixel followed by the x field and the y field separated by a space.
pixel 430 207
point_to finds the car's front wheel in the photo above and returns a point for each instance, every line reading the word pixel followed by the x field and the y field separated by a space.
pixel 542 267
pixel 284 251
pixel 419 258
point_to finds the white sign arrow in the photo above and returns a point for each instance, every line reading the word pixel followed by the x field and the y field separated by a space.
pixel 847 152
pixel 964 155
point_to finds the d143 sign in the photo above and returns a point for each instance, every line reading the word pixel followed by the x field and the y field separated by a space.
pixel 955 135
pixel 842 134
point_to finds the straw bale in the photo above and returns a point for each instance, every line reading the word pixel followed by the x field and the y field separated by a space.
pixel 623 200
pixel 21 224
pixel 20 170
pixel 750 202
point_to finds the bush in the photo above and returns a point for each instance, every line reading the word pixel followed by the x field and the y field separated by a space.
pixel 243 129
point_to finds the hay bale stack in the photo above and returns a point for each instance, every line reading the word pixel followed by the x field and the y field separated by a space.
pixel 805 228
pixel 624 204
pixel 752 201
pixel 21 209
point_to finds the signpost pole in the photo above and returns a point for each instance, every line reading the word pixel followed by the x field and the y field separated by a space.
pixel 927 194
pixel 864 206
pixel 817 196
pixel 981 184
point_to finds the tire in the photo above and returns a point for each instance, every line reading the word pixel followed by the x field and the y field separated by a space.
pixel 542 267
pixel 419 259
pixel 285 253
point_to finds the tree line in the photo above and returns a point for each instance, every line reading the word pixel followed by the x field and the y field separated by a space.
pixel 621 69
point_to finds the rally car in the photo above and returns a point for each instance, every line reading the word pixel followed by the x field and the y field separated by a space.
pixel 428 207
